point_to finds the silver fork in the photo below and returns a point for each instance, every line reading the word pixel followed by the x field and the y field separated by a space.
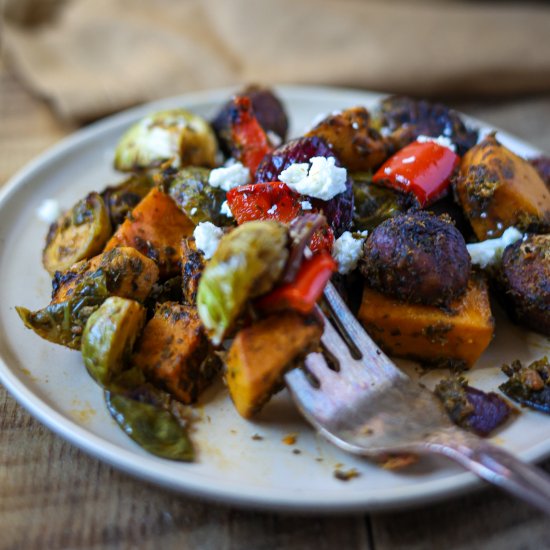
pixel 360 401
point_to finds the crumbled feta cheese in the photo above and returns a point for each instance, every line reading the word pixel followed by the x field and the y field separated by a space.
pixel 225 210
pixel 274 139
pixel 409 160
pixel 347 251
pixel 444 141
pixel 402 179
pixel 488 253
pixel 306 205
pixel 355 125
pixel 323 180
pixel 232 174
pixel 207 238
pixel 387 170
pixel 193 211
pixel 48 211
pixel 272 210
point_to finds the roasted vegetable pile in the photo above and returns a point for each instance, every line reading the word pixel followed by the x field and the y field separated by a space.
pixel 209 257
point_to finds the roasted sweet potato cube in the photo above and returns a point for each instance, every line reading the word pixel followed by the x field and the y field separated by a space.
pixel 454 336
pixel 192 262
pixel 497 189
pixel 129 274
pixel 263 352
pixel 174 352
pixel 155 228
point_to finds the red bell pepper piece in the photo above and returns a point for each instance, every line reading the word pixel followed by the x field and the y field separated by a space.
pixel 274 201
pixel 264 201
pixel 302 293
pixel 421 168
pixel 251 143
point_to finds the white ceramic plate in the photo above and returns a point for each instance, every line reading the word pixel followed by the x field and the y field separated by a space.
pixel 232 465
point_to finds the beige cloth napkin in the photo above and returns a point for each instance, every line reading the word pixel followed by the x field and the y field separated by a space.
pixel 98 56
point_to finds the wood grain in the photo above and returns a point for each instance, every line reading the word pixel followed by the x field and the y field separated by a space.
pixel 54 496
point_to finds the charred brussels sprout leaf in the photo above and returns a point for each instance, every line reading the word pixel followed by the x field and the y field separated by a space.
pixel 529 385
pixel 63 322
pixel 247 263
pixel 373 204
pixel 109 337
pixel 121 199
pixel 151 426
pixel 78 234
pixel 198 200
pixel 176 136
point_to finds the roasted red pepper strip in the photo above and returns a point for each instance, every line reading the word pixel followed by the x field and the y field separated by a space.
pixel 274 201
pixel 302 293
pixel 250 142
pixel 423 169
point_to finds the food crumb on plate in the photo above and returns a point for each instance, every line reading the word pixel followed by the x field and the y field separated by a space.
pixel 290 439
pixel 346 475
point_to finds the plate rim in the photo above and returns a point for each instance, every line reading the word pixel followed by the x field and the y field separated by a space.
pixel 125 459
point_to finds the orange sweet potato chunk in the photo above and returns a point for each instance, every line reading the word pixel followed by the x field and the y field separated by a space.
pixel 174 352
pixel 429 334
pixel 262 353
pixel 497 189
pixel 155 227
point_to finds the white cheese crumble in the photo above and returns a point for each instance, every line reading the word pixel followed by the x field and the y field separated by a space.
pixel 409 160
pixel 306 205
pixel 323 180
pixel 232 174
pixel 488 253
pixel 272 210
pixel 225 210
pixel 444 141
pixel 48 211
pixel 207 238
pixel 193 211
pixel 347 251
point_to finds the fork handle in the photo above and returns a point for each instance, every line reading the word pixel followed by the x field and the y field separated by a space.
pixel 501 468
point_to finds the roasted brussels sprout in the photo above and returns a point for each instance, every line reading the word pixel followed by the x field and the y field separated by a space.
pixel 373 204
pixel 529 385
pixel 109 337
pixel 78 292
pixel 267 109
pixel 247 263
pixel 407 118
pixel 175 136
pixel 199 201
pixel 77 235
pixel 355 142
pixel 122 198
pixel 149 416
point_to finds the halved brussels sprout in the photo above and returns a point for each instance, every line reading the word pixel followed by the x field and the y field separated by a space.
pixel 77 293
pixel 373 204
pixel 149 416
pixel 247 263
pixel 77 235
pixel 177 136
pixel 200 201
pixel 63 322
pixel 109 337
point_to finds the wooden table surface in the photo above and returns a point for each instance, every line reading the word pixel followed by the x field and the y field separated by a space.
pixel 52 495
